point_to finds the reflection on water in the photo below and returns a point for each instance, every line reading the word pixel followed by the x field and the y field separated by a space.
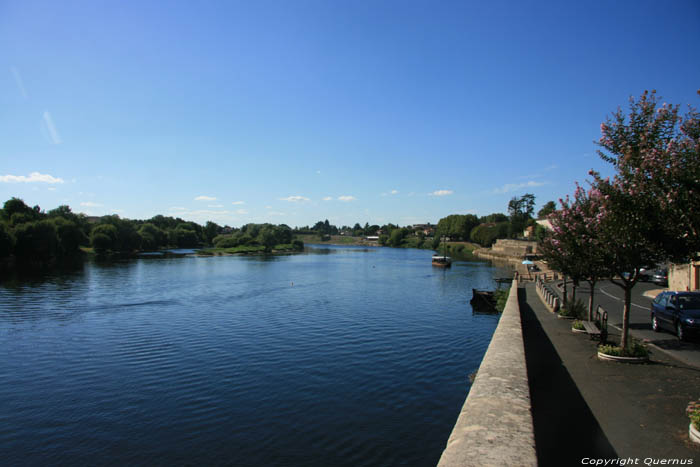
pixel 341 356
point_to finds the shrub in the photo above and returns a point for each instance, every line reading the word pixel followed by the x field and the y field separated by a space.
pixel 574 310
pixel 634 349
pixel 578 324
pixel 693 412
pixel 501 297
pixel 226 241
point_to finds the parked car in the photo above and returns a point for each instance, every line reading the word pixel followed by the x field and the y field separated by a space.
pixel 676 311
pixel 645 273
pixel 660 277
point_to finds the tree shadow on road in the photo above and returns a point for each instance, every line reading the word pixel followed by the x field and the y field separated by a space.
pixel 566 430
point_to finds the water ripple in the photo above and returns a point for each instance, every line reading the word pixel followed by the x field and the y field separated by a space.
pixel 351 358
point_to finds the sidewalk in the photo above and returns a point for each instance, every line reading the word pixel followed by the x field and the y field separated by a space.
pixel 585 408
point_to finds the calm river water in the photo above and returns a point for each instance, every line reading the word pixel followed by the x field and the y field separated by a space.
pixel 339 356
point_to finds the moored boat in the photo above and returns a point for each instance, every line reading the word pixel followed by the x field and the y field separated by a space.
pixel 442 261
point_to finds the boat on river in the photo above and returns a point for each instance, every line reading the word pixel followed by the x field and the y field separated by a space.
pixel 442 261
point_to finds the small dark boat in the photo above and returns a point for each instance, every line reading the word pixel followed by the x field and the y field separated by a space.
pixel 483 301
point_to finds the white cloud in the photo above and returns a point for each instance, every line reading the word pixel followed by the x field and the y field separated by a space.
pixel 90 204
pixel 241 211
pixel 327 198
pixel 295 199
pixel 177 208
pixel 20 83
pixel 238 202
pixel 275 213
pixel 268 207
pixel 53 133
pixel 517 186
pixel 33 177
pixel 215 205
pixel 393 192
pixel 205 198
pixel 441 193
pixel 346 198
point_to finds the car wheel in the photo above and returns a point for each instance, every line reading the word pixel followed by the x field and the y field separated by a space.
pixel 655 323
pixel 679 331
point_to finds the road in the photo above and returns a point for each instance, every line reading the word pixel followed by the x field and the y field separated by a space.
pixel 611 298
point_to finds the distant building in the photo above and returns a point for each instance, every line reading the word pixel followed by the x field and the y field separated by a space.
pixel 427 229
pixel 684 276
pixel 545 223
pixel 372 238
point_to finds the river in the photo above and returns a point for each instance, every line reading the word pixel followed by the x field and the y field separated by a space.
pixel 338 356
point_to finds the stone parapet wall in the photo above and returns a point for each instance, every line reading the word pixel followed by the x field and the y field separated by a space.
pixel 495 425
pixel 511 247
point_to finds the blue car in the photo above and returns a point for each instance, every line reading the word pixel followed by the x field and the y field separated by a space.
pixel 678 312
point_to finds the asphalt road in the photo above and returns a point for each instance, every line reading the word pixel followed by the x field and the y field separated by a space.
pixel 611 297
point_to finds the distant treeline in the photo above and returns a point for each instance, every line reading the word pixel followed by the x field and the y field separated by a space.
pixel 483 230
pixel 34 237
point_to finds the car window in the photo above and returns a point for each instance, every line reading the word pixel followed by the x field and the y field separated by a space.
pixel 689 302
pixel 662 299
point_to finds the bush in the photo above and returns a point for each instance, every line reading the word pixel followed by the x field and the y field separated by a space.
pixel 36 240
pixel 501 297
pixel 634 349
pixel 693 412
pixel 578 324
pixel 574 310
pixel 228 241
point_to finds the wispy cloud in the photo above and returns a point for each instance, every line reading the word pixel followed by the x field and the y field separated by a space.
pixel 215 205
pixel 51 127
pixel 241 211
pixel 295 199
pixel 34 177
pixel 276 213
pixel 346 198
pixel 90 204
pixel 20 83
pixel 205 198
pixel 327 198
pixel 238 202
pixel 394 192
pixel 508 187
pixel 441 193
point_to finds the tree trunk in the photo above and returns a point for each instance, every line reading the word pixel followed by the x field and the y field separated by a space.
pixel 565 292
pixel 590 300
pixel 626 317
pixel 573 294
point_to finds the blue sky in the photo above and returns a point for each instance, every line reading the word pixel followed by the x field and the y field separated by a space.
pixel 294 112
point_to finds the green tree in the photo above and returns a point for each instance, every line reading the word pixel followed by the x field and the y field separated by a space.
pixel 103 238
pixel 152 238
pixel 652 208
pixel 211 230
pixel 547 209
pixel 7 241
pixel 70 236
pixel 17 206
pixel 36 241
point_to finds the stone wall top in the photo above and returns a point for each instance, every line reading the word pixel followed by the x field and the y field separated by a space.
pixel 495 425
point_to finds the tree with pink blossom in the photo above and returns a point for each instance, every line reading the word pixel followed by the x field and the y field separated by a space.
pixel 650 209
pixel 573 247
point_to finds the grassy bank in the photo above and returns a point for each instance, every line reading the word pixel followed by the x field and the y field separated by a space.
pixel 246 250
